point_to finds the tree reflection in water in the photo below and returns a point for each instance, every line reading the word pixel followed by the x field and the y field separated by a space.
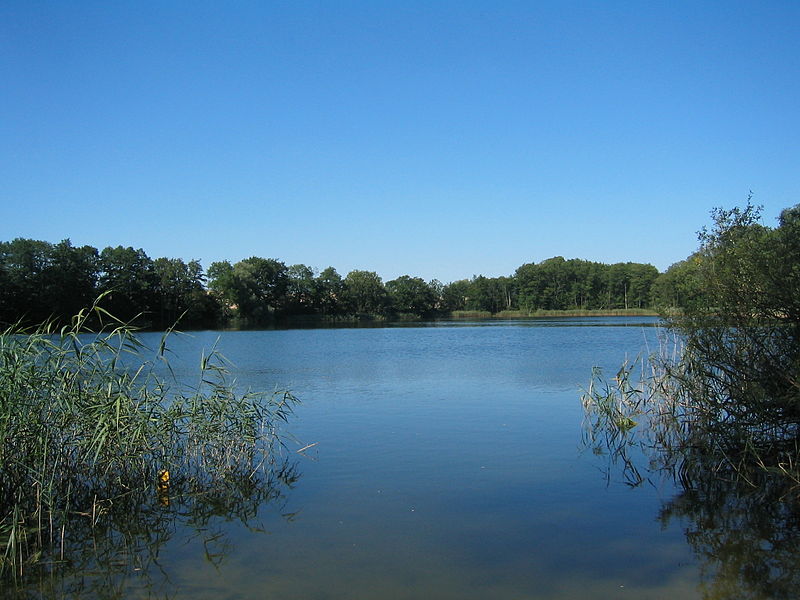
pixel 737 499
pixel 115 548
pixel 747 538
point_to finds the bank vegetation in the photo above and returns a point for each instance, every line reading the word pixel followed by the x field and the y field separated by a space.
pixel 44 281
pixel 94 431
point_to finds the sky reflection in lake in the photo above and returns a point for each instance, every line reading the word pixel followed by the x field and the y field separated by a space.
pixel 448 464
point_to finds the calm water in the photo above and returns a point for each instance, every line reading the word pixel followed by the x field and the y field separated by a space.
pixel 448 464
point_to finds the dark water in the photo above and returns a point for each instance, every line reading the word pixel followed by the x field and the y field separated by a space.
pixel 448 464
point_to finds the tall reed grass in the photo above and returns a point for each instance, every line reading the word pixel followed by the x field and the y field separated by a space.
pixel 677 413
pixel 90 432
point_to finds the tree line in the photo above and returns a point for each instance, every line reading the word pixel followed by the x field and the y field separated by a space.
pixel 41 280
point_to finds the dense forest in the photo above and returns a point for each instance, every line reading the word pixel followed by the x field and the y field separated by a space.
pixel 41 280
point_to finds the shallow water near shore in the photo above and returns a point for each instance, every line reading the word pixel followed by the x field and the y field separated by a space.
pixel 445 461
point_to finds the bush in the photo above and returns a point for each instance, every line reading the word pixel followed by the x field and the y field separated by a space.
pixel 730 394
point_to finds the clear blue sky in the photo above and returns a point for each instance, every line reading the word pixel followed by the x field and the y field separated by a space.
pixel 436 139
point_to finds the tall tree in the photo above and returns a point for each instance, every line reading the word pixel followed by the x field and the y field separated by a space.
pixel 491 294
pixel 25 265
pixel 222 285
pixel 253 289
pixel 330 292
pixel 180 293
pixel 678 286
pixel 364 292
pixel 455 295
pixel 128 279
pixel 302 295
pixel 742 336
pixel 411 295
pixel 71 279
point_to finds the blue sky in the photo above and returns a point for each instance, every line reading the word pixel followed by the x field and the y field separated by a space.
pixel 436 139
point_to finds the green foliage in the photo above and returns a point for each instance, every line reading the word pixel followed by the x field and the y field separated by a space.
pixel 490 294
pixel 302 295
pixel 180 293
pixel 364 293
pixel 128 282
pixel 71 278
pixel 679 285
pixel 222 284
pixel 411 295
pixel 40 280
pixel 720 413
pixel 455 295
pixel 558 284
pixel 732 392
pixel 743 338
pixel 261 285
pixel 330 292
pixel 253 289
pixel 87 426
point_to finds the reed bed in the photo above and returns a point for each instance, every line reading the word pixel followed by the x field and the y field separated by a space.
pixel 675 414
pixel 90 433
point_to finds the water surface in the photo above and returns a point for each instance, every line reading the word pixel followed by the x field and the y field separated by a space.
pixel 447 464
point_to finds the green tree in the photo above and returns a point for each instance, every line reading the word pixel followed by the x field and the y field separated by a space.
pixel 558 284
pixel 554 292
pixel 720 413
pixel 491 294
pixel 782 266
pixel 71 279
pixel 7 296
pixel 128 279
pixel 741 362
pixel 641 279
pixel 302 295
pixel 546 285
pixel 364 292
pixel 253 289
pixel 180 293
pixel 678 286
pixel 43 281
pixel 529 284
pixel 25 264
pixel 330 290
pixel 437 289
pixel 455 295
pixel 222 285
pixel 411 295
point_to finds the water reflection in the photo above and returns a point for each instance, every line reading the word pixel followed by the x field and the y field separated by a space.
pixel 741 520
pixel 746 537
pixel 540 321
pixel 113 549
pixel 446 470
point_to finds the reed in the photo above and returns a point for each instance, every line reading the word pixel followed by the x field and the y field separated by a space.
pixel 87 425
pixel 677 413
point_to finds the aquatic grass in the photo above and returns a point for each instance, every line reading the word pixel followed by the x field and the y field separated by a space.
pixel 672 413
pixel 88 426
pixel 730 447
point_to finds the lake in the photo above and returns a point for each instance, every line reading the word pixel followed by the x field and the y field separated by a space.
pixel 447 463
